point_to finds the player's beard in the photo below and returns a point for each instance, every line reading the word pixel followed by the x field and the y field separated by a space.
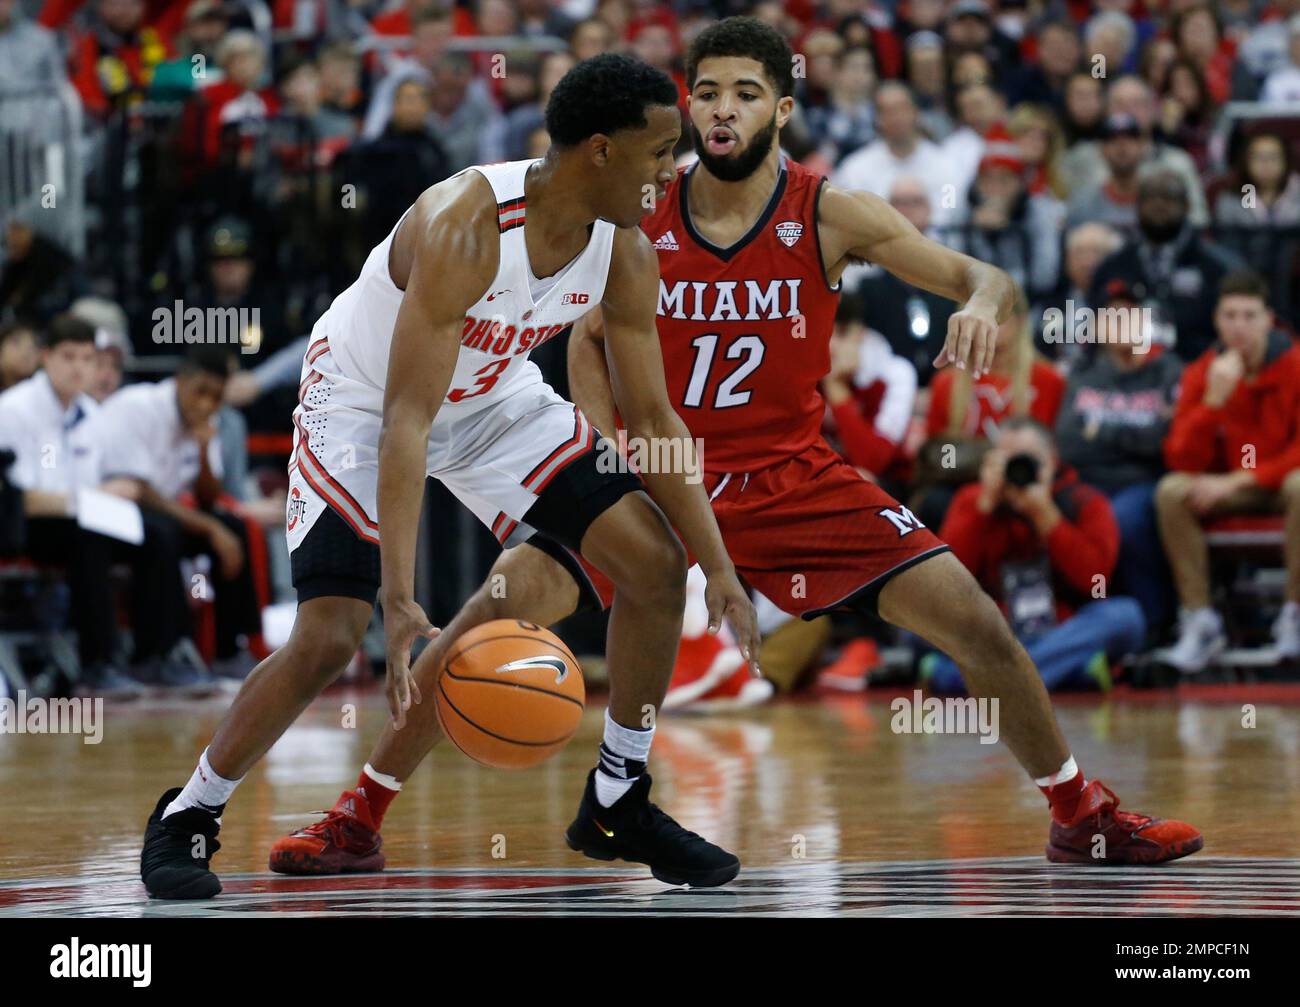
pixel 736 167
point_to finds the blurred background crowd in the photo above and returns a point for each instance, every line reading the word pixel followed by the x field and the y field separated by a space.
pixel 1131 154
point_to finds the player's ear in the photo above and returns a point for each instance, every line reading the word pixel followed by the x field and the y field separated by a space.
pixel 784 109
pixel 599 146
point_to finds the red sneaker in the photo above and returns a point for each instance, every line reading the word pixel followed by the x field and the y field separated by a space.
pixel 848 672
pixel 740 691
pixel 703 664
pixel 345 841
pixel 1102 834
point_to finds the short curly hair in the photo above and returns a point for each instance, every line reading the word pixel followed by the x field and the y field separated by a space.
pixel 748 37
pixel 604 94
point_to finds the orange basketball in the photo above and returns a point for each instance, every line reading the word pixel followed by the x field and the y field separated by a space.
pixel 510 694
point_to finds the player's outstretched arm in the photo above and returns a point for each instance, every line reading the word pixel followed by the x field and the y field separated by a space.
pixel 449 273
pixel 636 372
pixel 859 225
pixel 589 385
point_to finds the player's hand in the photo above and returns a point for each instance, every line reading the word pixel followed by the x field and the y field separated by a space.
pixel 727 599
pixel 226 548
pixel 1222 378
pixel 972 340
pixel 404 620
pixel 1207 491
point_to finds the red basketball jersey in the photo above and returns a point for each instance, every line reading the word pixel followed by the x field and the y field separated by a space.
pixel 746 330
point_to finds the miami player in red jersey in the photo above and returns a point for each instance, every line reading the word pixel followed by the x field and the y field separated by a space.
pixel 751 248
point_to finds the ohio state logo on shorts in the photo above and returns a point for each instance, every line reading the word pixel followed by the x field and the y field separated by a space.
pixel 296 506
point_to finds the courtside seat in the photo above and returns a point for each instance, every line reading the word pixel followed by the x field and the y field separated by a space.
pixel 32 626
pixel 1244 531
pixel 1246 556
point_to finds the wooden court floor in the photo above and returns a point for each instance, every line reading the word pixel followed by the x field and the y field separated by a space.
pixel 831 811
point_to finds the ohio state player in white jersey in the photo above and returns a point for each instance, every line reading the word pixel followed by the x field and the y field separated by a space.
pixel 421 367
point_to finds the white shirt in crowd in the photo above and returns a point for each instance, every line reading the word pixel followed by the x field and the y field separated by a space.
pixel 874 169
pixel 1282 86
pixel 141 435
pixel 55 448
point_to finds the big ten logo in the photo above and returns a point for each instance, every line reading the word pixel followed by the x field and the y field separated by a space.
pixel 575 298
pixel 498 68
pixel 348 720
pixel 499 846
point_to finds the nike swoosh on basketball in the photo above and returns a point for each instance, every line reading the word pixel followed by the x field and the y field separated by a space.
pixel 540 661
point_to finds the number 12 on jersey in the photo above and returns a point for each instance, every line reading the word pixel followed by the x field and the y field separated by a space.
pixel 727 396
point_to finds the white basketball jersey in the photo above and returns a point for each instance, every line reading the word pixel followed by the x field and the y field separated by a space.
pixel 500 330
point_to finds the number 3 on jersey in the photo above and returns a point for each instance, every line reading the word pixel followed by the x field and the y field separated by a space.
pixel 727 396
pixel 487 377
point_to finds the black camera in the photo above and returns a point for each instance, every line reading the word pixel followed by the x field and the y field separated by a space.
pixel 1022 470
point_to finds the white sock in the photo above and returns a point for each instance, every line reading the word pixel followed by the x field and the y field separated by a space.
pixel 623 755
pixel 205 790
pixel 1068 771
pixel 383 779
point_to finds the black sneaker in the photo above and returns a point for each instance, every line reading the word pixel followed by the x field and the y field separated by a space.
pixel 171 866
pixel 634 830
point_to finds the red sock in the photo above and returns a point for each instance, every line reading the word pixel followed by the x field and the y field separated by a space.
pixel 1064 797
pixel 377 796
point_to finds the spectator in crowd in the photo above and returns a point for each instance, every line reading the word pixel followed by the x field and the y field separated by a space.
pixel 302 97
pixel 869 393
pixel 1110 43
pixel 543 18
pixel 112 344
pixel 654 42
pixel 393 169
pixel 979 110
pixel 1114 201
pixel 969 69
pixel 1265 47
pixel 901 149
pixel 29 54
pixel 1044 82
pixel 20 354
pixel 1180 269
pixel 913 321
pixel 1265 191
pixel 340 82
pixel 1043 544
pixel 1283 85
pixel 1084 166
pixel 1009 226
pixel 928 77
pixel 1154 64
pixel 1041 142
pixel 46 422
pixel 1085 108
pixel 1233 448
pixel 1086 245
pixel 160 447
pixel 114 60
pixel 821 50
pixel 844 123
pixel 590 37
pixel 1187 112
pixel 1111 429
pixel 253 310
pixel 1197 33
pixel 969 28
pixel 522 121
pixel 196 60
pixel 37 277
pixel 237 97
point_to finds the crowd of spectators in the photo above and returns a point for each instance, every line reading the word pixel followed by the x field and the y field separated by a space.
pixel 1133 155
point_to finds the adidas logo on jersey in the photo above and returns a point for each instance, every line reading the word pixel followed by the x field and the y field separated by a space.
pixel 666 243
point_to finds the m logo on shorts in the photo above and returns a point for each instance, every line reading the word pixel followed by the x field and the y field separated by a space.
pixel 902 519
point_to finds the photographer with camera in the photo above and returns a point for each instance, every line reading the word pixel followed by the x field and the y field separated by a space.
pixel 1044 545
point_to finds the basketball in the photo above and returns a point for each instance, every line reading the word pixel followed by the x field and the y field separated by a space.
pixel 510 695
